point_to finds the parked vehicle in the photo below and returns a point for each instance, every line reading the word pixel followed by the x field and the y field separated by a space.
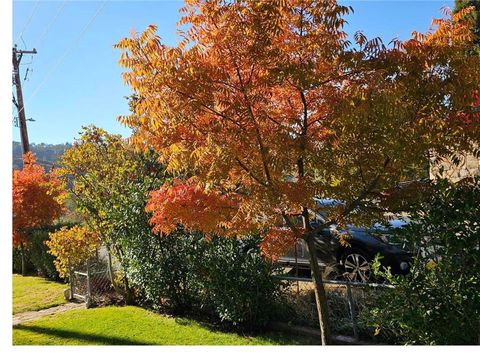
pixel 351 258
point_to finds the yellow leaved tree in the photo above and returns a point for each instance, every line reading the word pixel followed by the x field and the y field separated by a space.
pixel 72 247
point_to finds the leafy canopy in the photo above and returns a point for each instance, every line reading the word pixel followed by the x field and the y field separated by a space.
pixel 98 166
pixel 264 105
pixel 475 14
pixel 110 183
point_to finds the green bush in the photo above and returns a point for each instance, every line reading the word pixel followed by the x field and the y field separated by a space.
pixel 439 302
pixel 38 259
pixel 238 282
pixel 38 254
pixel 222 278
pixel 17 263
pixel 165 269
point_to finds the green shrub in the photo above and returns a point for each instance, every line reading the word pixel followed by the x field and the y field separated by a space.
pixel 222 278
pixel 38 254
pixel 17 263
pixel 439 302
pixel 165 269
pixel 38 258
pixel 238 282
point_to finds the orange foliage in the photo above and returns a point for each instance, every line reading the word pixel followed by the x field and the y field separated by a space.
pixel 38 198
pixel 189 205
pixel 269 104
pixel 276 242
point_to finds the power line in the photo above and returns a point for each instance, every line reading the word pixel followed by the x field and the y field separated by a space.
pixel 40 39
pixel 31 61
pixel 67 52
pixel 34 10
pixel 42 36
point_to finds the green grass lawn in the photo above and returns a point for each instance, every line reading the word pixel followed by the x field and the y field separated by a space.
pixel 131 325
pixel 32 293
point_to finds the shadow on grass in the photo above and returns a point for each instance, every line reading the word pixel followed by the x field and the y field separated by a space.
pixel 92 339
pixel 263 334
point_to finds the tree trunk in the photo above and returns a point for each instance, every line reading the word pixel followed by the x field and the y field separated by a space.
pixel 109 266
pixel 110 271
pixel 320 296
pixel 22 255
pixel 129 296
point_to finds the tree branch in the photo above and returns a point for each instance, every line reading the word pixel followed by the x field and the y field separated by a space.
pixel 244 167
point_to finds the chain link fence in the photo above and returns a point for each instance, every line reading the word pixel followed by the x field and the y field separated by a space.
pixel 346 302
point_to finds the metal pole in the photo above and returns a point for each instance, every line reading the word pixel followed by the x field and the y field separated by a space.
pixel 353 315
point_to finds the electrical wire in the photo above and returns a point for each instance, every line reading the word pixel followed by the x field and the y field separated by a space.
pixel 66 52
pixel 30 62
pixel 40 39
pixel 34 10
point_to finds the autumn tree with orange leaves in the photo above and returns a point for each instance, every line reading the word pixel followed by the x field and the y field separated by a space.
pixel 38 199
pixel 265 105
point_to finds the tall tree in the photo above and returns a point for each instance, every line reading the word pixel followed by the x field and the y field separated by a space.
pixel 266 104
pixel 38 199
pixel 106 176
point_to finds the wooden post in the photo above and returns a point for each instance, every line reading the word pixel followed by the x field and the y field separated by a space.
pixel 72 284
pixel 353 315
pixel 88 297
pixel 296 270
pixel 22 121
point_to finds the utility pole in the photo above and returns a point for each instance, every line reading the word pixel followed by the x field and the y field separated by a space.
pixel 22 121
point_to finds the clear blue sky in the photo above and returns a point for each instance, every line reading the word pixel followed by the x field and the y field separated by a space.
pixel 76 79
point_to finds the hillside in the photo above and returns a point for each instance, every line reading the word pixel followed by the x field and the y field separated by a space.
pixel 47 154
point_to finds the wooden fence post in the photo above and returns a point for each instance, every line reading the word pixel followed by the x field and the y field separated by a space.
pixel 88 298
pixel 72 283
pixel 353 315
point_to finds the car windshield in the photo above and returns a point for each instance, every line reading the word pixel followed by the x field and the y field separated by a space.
pixel 391 226
pixel 324 206
pixel 388 232
pixel 383 231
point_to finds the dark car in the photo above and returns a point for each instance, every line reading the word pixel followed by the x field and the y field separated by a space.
pixel 353 255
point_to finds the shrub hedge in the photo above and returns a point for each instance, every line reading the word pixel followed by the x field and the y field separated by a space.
pixel 38 259
pixel 439 301
pixel 226 279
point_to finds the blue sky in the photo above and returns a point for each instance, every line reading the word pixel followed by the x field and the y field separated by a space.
pixel 75 80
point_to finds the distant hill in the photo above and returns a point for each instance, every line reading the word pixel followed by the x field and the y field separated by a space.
pixel 47 154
